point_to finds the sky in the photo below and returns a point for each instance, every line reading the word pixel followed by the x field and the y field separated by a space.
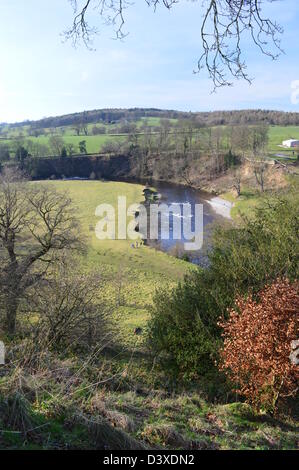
pixel 41 75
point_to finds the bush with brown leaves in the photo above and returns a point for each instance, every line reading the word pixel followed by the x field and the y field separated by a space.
pixel 257 345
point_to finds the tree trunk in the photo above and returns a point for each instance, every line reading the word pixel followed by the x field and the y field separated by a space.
pixel 11 314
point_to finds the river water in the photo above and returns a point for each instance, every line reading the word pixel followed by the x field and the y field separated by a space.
pixel 215 211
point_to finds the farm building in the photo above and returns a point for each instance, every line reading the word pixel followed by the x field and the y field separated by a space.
pixel 291 143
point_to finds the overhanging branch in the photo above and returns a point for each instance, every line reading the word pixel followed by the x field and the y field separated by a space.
pixel 222 26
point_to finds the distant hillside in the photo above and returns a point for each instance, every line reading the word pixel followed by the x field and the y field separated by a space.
pixel 213 118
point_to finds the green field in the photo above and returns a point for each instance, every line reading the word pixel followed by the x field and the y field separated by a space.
pixel 277 134
pixel 94 143
pixel 141 270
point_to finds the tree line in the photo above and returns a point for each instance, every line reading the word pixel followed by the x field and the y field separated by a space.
pixel 173 151
pixel 213 118
pixel 187 151
pixel 21 149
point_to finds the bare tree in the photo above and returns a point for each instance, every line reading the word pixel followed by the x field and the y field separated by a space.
pixel 36 223
pixel 77 129
pixel 216 147
pixel 36 149
pixel 241 139
pixel 68 306
pixel 224 23
pixel 259 169
pixel 84 123
pixel 237 179
pixel 258 140
pixel 56 143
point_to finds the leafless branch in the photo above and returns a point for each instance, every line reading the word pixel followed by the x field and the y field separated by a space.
pixel 223 24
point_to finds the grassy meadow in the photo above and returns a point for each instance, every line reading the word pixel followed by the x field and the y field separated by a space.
pixel 132 274
pixel 94 143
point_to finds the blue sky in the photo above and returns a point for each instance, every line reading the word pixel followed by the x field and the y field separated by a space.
pixel 42 76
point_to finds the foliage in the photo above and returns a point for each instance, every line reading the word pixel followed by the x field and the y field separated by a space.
pixel 264 247
pixel 21 155
pixel 231 160
pixel 4 153
pixel 82 146
pixel 183 325
pixel 257 344
pixel 63 153
pixel 183 329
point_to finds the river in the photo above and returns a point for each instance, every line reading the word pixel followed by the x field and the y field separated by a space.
pixel 215 211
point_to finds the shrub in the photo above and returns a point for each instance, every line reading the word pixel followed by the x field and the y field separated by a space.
pixel 69 309
pixel 263 248
pixel 183 331
pixel 257 344
pixel 63 153
pixel 183 325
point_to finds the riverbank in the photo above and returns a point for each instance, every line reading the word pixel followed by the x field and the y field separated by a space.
pixel 221 206
pixel 244 204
